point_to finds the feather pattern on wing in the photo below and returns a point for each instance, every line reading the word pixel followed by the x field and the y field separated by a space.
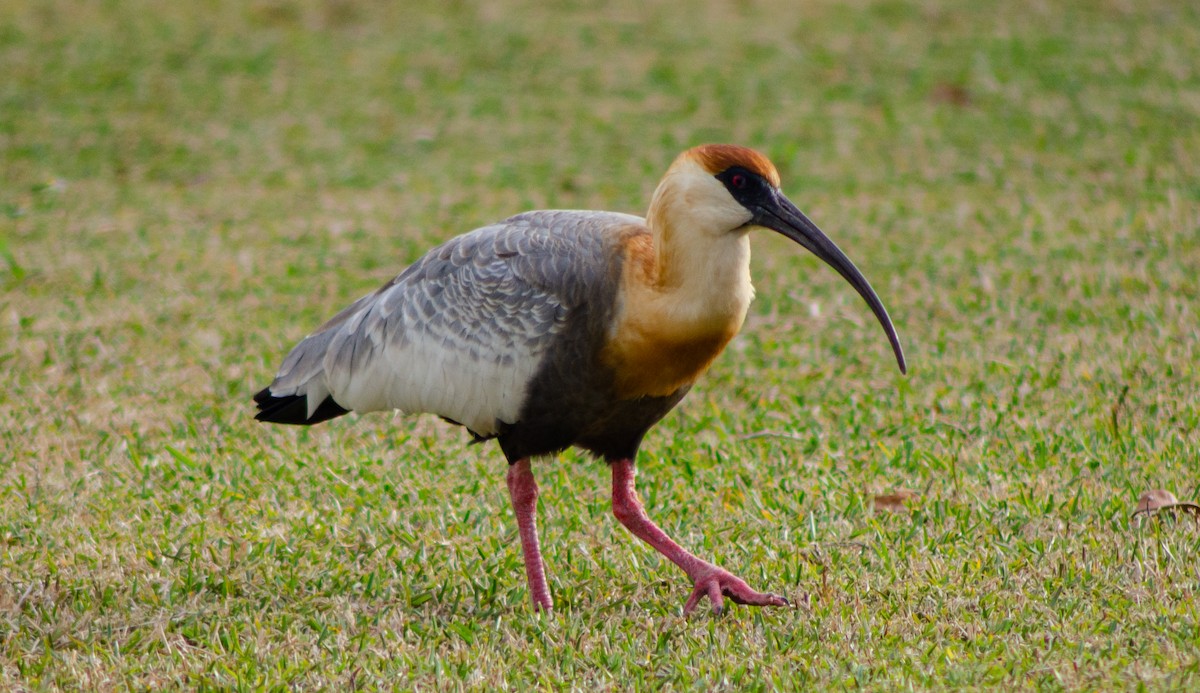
pixel 462 331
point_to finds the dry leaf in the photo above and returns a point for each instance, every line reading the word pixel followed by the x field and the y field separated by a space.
pixel 1160 499
pixel 953 94
pixel 1153 500
pixel 894 502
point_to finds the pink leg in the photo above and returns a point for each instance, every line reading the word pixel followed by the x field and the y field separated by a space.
pixel 523 490
pixel 707 578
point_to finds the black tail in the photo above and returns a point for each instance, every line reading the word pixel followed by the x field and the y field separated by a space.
pixel 293 409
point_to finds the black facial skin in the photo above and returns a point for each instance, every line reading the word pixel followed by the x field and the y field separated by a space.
pixel 750 189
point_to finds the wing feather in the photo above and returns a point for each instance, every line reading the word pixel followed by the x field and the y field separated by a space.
pixel 461 332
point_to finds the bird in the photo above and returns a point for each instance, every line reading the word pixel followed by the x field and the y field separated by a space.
pixel 566 328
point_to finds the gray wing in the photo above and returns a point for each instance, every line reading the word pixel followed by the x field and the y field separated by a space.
pixel 461 332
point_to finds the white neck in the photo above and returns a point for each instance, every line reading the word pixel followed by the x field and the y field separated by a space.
pixel 702 251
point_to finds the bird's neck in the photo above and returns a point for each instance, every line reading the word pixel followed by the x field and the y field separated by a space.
pixel 703 282
pixel 701 271
pixel 683 296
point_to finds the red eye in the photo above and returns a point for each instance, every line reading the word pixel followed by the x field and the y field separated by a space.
pixel 738 180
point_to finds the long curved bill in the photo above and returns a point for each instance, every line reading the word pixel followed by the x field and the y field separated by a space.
pixel 779 214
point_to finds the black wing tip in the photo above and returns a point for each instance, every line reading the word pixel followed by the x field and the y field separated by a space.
pixel 293 409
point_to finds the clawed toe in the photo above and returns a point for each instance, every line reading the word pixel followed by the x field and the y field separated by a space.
pixel 718 584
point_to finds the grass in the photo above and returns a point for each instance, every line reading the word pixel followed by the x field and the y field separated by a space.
pixel 186 189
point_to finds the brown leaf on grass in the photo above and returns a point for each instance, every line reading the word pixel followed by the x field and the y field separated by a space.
pixel 1153 500
pixel 896 501
pixel 953 94
pixel 1159 500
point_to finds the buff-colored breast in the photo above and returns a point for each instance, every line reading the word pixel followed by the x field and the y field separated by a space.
pixel 653 350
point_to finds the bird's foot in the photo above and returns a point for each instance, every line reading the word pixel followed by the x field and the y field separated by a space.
pixel 718 583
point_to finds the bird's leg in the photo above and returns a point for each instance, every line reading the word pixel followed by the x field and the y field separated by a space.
pixel 523 490
pixel 708 579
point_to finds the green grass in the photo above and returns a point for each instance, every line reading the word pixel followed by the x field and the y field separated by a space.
pixel 187 188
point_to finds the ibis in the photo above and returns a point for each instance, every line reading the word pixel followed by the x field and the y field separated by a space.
pixel 555 328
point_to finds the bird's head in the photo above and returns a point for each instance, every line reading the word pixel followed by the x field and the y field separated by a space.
pixel 723 189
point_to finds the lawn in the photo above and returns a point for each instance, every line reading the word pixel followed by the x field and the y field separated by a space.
pixel 186 189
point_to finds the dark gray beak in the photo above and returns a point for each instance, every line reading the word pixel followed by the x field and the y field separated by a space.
pixel 778 213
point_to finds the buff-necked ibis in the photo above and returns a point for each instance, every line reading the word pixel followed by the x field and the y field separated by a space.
pixel 559 328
